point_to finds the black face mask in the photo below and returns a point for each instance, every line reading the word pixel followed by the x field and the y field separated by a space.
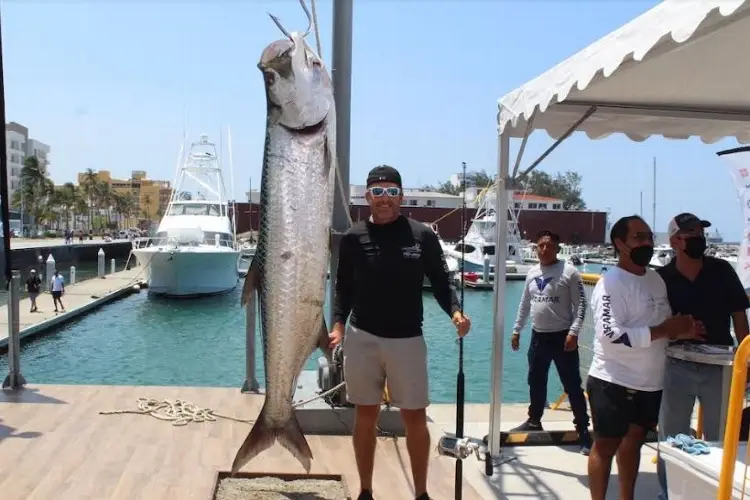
pixel 695 247
pixel 641 255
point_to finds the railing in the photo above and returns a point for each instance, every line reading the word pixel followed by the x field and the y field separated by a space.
pixel 734 419
pixel 171 241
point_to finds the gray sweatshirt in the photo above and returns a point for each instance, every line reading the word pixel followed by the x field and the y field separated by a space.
pixel 555 297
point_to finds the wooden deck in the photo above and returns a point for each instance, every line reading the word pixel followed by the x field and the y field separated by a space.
pixel 54 444
pixel 78 299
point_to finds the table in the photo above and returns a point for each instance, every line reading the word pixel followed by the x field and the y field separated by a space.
pixel 697 476
pixel 710 355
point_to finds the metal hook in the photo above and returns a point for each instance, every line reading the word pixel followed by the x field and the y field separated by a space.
pixel 278 23
pixel 309 21
pixel 309 17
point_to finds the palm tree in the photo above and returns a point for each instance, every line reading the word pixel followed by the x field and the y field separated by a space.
pixel 90 180
pixel 35 190
pixel 147 206
pixel 67 198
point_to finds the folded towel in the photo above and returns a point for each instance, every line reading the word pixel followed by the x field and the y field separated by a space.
pixel 689 444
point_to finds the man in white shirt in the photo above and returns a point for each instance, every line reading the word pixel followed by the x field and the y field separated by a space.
pixel 633 323
pixel 58 289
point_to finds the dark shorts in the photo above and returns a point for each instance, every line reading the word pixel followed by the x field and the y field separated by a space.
pixel 56 295
pixel 614 408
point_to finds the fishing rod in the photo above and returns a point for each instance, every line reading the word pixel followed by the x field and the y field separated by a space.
pixel 460 377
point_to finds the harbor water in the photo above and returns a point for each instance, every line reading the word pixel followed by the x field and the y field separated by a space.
pixel 146 340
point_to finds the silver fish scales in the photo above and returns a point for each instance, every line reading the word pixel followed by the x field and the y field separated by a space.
pixel 292 257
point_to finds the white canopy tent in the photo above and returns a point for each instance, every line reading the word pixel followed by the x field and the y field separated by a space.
pixel 679 70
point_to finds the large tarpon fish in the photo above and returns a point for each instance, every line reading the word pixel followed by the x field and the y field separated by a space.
pixel 291 261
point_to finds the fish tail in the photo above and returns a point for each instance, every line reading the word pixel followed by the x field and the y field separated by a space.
pixel 263 435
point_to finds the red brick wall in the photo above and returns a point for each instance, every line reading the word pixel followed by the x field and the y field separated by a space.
pixel 573 227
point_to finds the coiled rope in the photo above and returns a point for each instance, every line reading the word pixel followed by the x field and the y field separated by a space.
pixel 181 412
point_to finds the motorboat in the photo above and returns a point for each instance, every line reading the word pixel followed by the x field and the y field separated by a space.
pixel 478 246
pixel 194 251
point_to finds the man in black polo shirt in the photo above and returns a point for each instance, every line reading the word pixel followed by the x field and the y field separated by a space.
pixel 710 291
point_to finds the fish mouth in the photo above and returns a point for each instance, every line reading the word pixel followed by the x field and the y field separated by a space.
pixel 309 129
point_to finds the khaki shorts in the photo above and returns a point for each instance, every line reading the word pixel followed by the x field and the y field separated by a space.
pixel 370 361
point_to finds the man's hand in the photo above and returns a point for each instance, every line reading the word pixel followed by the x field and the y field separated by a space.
pixel 515 343
pixel 697 331
pixel 462 323
pixel 684 327
pixel 571 342
pixel 336 335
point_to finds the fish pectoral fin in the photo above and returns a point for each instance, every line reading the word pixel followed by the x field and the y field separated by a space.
pixel 263 435
pixel 252 282
pixel 324 341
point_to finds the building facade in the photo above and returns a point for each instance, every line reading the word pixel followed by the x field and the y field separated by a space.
pixel 20 146
pixel 16 137
pixel 151 196
pixel 412 198
pixel 575 227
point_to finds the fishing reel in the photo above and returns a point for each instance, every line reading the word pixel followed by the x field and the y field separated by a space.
pixel 459 448
pixel 331 374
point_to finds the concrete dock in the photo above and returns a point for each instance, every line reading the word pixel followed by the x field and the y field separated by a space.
pixel 78 299
pixel 24 243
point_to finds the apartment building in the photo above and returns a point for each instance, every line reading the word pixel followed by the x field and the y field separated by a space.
pixel 152 195
pixel 19 146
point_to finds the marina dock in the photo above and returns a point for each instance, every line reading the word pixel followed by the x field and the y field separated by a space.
pixel 79 298
pixel 55 444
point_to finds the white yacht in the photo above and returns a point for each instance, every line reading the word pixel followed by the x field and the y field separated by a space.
pixel 480 239
pixel 451 263
pixel 194 251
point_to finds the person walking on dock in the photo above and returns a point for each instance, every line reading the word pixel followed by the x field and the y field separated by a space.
pixel 708 289
pixel 632 325
pixel 33 287
pixel 58 289
pixel 555 298
pixel 382 265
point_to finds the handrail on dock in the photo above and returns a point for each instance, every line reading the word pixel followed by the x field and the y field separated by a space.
pixel 734 419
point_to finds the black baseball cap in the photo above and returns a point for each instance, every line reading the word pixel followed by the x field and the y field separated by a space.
pixel 383 173
pixel 685 222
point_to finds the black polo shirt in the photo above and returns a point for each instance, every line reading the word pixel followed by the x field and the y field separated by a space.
pixel 716 293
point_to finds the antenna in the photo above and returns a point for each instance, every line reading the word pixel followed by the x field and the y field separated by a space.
pixel 231 183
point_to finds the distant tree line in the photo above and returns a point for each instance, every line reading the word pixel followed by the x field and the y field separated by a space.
pixel 565 186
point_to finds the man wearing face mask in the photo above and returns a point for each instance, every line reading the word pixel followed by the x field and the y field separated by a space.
pixel 710 291
pixel 632 325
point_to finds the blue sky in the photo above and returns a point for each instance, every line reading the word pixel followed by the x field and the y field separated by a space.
pixel 106 84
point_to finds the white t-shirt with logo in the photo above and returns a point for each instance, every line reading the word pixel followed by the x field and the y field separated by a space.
pixel 625 307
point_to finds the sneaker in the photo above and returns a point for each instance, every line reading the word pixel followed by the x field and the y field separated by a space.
pixel 365 495
pixel 584 439
pixel 528 426
pixel 423 496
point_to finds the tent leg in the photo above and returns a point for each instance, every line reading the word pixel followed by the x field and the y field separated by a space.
pixel 498 335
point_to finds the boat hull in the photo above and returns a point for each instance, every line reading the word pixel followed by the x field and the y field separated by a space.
pixel 191 272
